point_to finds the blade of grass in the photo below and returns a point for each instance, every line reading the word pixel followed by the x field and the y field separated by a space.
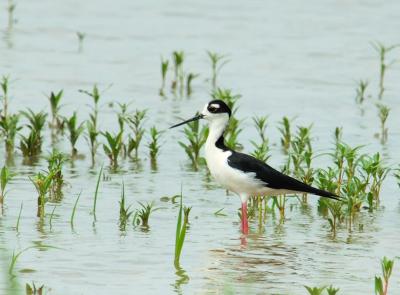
pixel 74 210
pixel 96 193
pixel 19 217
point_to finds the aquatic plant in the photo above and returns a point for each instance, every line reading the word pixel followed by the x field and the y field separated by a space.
pixel 135 122
pixel 31 145
pixel 113 147
pixel 360 91
pixel 332 291
pixel 96 192
pixel 382 285
pixel 178 58
pixel 9 128
pixel 42 182
pixel 144 213
pixel 218 61
pixel 57 122
pixel 71 221
pixel 14 259
pixel 81 37
pixel 55 162
pixel 75 131
pixel 397 175
pixel 383 51
pixel 4 85
pixel 286 138
pixel 197 137
pixel 180 235
pixel 33 290
pixel 11 8
pixel 91 138
pixel 95 95
pixel 164 71
pixel 189 80
pixel 319 290
pixel 5 177
pixel 261 150
pixel 124 212
pixel 154 145
pixel 315 290
pixel 383 113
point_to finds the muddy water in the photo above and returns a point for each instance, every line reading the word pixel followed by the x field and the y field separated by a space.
pixel 286 59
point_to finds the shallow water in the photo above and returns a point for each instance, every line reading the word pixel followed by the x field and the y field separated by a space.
pixel 286 59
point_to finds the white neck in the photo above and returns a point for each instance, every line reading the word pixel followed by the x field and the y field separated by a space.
pixel 217 128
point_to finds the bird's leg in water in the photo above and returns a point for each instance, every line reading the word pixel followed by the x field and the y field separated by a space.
pixel 245 222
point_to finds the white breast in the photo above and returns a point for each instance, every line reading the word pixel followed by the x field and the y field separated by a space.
pixel 230 178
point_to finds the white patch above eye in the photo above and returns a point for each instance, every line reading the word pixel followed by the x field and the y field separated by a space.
pixel 214 105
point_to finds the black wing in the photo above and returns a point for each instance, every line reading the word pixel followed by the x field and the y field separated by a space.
pixel 273 178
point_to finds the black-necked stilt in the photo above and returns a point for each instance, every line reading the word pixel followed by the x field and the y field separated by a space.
pixel 241 173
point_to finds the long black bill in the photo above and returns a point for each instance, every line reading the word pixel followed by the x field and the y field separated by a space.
pixel 195 118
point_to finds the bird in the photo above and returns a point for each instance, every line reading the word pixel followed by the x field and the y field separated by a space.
pixel 241 173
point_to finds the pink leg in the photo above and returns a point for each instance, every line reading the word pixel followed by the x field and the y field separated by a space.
pixel 245 223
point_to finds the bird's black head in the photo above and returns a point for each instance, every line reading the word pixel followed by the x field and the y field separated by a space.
pixel 217 106
pixel 216 111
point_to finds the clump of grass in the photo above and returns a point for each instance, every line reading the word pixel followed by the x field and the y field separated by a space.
pixel 315 290
pixel 143 214
pixel 5 177
pixel 57 123
pixel 75 131
pixel 81 37
pixel 4 85
pixel 218 61
pixel 33 290
pixel 197 137
pixel 42 182
pixel 135 122
pixel 181 227
pixel 164 71
pixel 55 162
pixel 383 51
pixel 124 212
pixel 286 134
pixel 154 145
pixel 233 130
pixel 9 128
pixel 382 284
pixel 319 290
pixel 31 145
pixel 113 147
pixel 383 113
pixel 360 91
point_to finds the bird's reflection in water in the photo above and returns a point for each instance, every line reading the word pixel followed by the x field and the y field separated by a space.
pixel 255 258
